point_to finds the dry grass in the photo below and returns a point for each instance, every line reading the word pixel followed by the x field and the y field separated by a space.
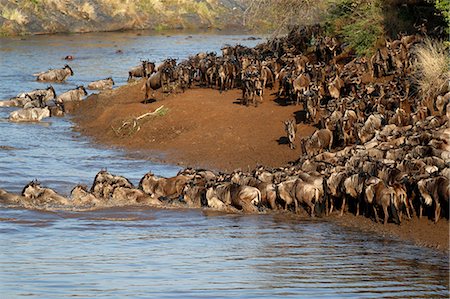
pixel 14 15
pixel 431 68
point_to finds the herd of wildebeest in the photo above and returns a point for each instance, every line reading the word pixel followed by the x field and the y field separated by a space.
pixel 379 147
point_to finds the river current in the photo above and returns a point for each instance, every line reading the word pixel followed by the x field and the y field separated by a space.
pixel 142 253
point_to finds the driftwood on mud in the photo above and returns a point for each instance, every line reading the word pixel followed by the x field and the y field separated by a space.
pixel 132 125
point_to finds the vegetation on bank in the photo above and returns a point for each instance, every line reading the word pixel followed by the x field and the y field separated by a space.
pixel 52 16
pixel 361 24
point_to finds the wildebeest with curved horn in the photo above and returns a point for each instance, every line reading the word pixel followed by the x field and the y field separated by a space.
pixel 56 75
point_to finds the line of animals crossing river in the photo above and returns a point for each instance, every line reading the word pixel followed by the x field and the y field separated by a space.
pixel 379 150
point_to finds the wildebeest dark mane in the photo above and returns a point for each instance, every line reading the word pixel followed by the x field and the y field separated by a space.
pixel 33 183
pixel 67 66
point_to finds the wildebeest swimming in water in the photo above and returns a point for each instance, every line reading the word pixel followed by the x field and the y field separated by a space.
pixel 29 114
pixel 73 95
pixel 25 97
pixel 56 75
pixel 101 84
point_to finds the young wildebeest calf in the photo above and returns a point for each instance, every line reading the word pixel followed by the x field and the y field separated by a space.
pixel 58 75
pixel 102 84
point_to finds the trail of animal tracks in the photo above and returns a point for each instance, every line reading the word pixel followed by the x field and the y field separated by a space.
pixel 205 128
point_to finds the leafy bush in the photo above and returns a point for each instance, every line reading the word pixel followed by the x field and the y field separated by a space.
pixel 359 23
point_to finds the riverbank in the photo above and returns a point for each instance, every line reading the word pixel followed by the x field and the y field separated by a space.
pixel 47 17
pixel 203 128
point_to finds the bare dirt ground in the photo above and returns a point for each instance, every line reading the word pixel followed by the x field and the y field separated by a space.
pixel 203 128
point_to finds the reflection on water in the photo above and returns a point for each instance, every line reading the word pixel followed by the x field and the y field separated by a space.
pixel 138 252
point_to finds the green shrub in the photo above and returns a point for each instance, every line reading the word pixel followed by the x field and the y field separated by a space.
pixel 359 23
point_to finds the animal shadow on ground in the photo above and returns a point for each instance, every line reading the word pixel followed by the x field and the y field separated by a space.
pixel 238 101
pixel 148 101
pixel 282 101
pixel 241 102
pixel 283 140
pixel 300 117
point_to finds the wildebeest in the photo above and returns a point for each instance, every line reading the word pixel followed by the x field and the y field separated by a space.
pixel 29 114
pixel 158 187
pixel 291 130
pixel 56 75
pixel 251 89
pixel 297 191
pixel 43 197
pixel 300 86
pixel 244 198
pixel 160 79
pixel 141 71
pixel 434 191
pixel 21 99
pixel 320 140
pixel 80 196
pixel 73 95
pixel 102 84
pixel 378 194
pixel 105 183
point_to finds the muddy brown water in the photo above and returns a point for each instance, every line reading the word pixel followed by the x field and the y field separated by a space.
pixel 137 252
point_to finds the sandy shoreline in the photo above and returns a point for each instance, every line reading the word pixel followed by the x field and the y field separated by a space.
pixel 206 129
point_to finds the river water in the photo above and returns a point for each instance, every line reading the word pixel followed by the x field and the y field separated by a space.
pixel 137 252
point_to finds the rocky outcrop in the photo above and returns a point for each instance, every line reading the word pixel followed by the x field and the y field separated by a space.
pixel 54 16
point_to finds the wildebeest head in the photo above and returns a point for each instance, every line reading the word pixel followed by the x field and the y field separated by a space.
pixel 32 189
pixel 81 88
pixel 50 88
pixel 69 68
pixel 111 79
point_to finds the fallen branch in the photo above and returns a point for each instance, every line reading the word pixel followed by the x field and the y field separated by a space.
pixel 157 111
pixel 131 125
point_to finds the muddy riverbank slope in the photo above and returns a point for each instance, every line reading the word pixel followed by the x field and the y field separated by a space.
pixel 205 128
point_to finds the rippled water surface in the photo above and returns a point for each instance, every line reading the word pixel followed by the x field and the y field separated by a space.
pixel 166 253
